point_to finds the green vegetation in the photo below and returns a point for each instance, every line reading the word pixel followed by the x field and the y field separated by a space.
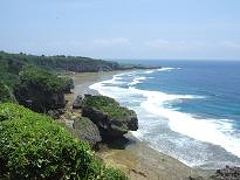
pixel 33 146
pixel 68 84
pixel 19 74
pixel 39 89
pixel 5 94
pixel 9 71
pixel 45 79
pixel 60 62
pixel 107 105
pixel 26 71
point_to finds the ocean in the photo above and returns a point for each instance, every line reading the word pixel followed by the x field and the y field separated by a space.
pixel 189 110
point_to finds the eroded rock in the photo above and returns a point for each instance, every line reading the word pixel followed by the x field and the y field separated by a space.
pixel 86 130
pixel 112 120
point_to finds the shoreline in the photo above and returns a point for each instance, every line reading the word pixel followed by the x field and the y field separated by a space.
pixel 136 159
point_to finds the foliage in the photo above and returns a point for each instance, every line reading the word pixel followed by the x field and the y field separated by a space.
pixel 39 89
pixel 68 84
pixel 33 146
pixel 41 77
pixel 7 74
pixel 114 174
pixel 61 62
pixel 107 105
pixel 5 94
pixel 12 64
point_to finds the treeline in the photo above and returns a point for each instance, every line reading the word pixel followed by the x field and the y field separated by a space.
pixel 60 62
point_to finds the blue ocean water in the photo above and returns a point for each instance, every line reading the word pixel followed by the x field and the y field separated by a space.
pixel 188 110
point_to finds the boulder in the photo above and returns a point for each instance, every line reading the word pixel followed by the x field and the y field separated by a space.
pixel 86 130
pixel 55 113
pixel 77 104
pixel 112 120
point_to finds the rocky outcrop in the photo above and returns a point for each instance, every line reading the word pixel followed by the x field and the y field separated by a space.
pixel 40 90
pixel 86 130
pixel 77 104
pixel 228 173
pixel 55 113
pixel 39 99
pixel 112 120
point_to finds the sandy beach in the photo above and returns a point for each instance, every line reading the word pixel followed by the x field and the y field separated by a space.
pixel 136 159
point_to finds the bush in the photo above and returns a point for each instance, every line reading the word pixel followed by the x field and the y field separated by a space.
pixel 68 84
pixel 107 105
pixel 40 90
pixel 5 94
pixel 33 146
pixel 49 81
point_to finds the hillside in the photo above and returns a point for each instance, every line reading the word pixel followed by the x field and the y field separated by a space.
pixel 59 62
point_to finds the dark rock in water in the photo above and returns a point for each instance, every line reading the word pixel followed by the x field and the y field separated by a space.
pixel 77 104
pixel 112 120
pixel 228 173
pixel 86 130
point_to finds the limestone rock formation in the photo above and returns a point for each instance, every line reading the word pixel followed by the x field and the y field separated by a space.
pixel 112 120
pixel 86 130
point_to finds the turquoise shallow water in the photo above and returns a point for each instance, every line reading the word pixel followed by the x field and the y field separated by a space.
pixel 189 110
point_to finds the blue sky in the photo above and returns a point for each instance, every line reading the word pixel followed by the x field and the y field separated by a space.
pixel 156 29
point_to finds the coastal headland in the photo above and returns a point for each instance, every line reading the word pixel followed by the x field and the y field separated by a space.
pixel 38 93
pixel 132 156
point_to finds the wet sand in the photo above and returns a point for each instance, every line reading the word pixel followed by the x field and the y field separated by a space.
pixel 136 159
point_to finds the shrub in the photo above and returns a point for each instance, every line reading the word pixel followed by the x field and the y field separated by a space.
pixel 40 90
pixel 107 105
pixel 114 174
pixel 68 84
pixel 5 94
pixel 49 81
pixel 33 146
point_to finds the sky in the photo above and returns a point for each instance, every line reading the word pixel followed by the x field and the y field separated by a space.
pixel 122 29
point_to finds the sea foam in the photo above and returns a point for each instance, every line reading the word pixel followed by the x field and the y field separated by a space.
pixel 213 131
